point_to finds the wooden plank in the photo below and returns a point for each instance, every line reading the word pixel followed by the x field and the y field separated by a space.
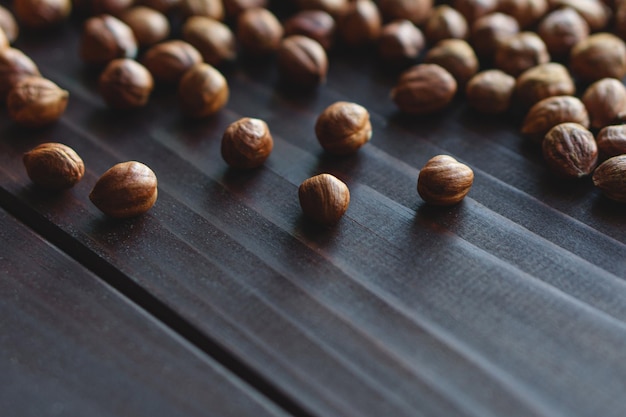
pixel 511 303
pixel 70 345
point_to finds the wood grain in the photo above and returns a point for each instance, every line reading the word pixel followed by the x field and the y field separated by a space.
pixel 510 303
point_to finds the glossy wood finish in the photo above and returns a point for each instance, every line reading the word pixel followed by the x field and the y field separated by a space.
pixel 510 303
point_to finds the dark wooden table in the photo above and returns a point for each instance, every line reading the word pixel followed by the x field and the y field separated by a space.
pixel 224 301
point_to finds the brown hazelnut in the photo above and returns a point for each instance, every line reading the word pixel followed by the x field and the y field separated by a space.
pixel 4 41
pixel 526 12
pixel 127 189
pixel 207 8
pixel 595 12
pixel 360 24
pixel 551 111
pixel 424 88
pixel 149 26
pixel 333 7
pixel 417 11
pixel 258 31
pixel 561 30
pixel 343 127
pixel 40 14
pixel 543 81
pixel 105 38
pixel 316 24
pixel 125 84
pixel 400 42
pixel 168 61
pixel 445 22
pixel 491 30
pixel 474 9
pixel 610 178
pixel 247 143
pixel 36 102
pixel 444 181
pixel 202 91
pixel 605 101
pixel 324 198
pixel 601 55
pixel 214 40
pixel 520 52
pixel 54 166
pixel 8 24
pixel 302 61
pixel 14 65
pixel 234 7
pixel 570 150
pixel 611 140
pixel 620 20
pixel 456 56
pixel 490 91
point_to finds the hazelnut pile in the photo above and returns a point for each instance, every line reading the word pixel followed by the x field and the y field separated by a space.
pixel 558 63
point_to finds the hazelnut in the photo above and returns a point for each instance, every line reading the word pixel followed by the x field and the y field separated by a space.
pixel 207 8
pixel 611 140
pixel 620 20
pixel 234 7
pixel 595 12
pixel 316 24
pixel 520 52
pixel 456 56
pixel 561 30
pixel 605 101
pixel 417 11
pixel 333 7
pixel 610 178
pixel 125 84
pixel 601 55
pixel 526 12
pixel 445 22
pixel 149 26
pixel 490 91
pixel 8 24
pixel 36 102
pixel 543 81
pixel 360 24
pixel 14 65
pixel 424 88
pixel 202 91
pixel 247 143
pixel 324 198
pixel 302 61
pixel 169 60
pixel 342 128
pixel 474 9
pixel 40 14
pixel 551 111
pixel 258 31
pixel 127 189
pixel 105 38
pixel 214 40
pixel 163 6
pixel 491 30
pixel 400 42
pixel 570 150
pixel 444 181
pixel 54 166
pixel 4 41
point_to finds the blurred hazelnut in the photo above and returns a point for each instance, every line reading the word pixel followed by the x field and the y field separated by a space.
pixel 474 9
pixel 444 23
pixel 258 31
pixel 207 8
pixel 561 30
pixel 611 140
pixel 202 91
pixel 41 14
pixel 35 102
pixel 97 7
pixel 490 31
pixel 601 55
pixel 169 60
pixel 163 6
pixel 148 25
pixel 456 56
pixel 400 42
pixel 105 38
pixel 542 81
pixel 302 61
pixel 423 89
pixel 324 198
pixel 125 84
pixel 333 7
pixel 8 24
pixel 214 40
pixel 570 150
pixel 490 91
pixel 234 7
pixel 594 12
pixel 605 101
pixel 316 24
pixel 343 127
pixel 360 24
pixel 14 65
pixel 520 52
pixel 526 12
pixel 417 11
